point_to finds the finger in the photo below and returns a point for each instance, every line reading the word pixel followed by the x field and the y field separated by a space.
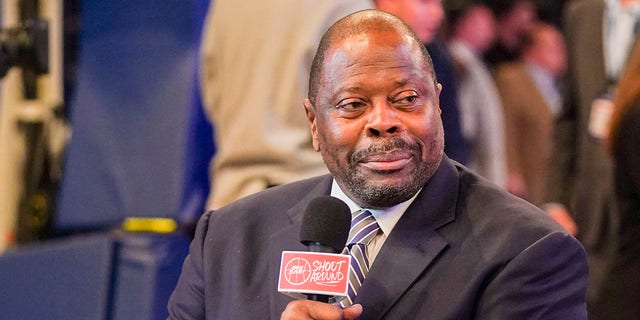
pixel 307 309
pixel 352 312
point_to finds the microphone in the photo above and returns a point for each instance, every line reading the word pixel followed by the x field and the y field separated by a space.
pixel 325 228
pixel 325 225
pixel 323 271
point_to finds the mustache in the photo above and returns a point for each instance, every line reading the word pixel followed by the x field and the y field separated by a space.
pixel 384 146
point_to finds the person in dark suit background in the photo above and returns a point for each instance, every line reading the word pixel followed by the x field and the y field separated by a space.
pixel 425 18
pixel 451 245
pixel 532 97
pixel 599 35
pixel 470 31
pixel 621 290
pixel 515 18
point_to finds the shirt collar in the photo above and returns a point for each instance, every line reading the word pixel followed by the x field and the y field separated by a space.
pixel 386 218
pixel 538 71
pixel 546 84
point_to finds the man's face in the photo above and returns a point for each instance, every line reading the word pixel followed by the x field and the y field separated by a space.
pixel 376 119
pixel 549 51
pixel 521 18
pixel 478 28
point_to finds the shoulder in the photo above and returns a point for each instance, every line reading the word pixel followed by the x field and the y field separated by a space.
pixel 577 7
pixel 273 203
pixel 582 12
pixel 495 215
pixel 235 228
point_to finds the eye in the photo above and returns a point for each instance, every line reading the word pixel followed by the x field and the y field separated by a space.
pixel 410 99
pixel 350 105
pixel 406 98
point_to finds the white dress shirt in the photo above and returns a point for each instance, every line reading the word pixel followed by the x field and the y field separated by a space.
pixel 620 33
pixel 386 218
pixel 546 84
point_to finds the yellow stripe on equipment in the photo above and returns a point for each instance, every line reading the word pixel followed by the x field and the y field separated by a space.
pixel 155 225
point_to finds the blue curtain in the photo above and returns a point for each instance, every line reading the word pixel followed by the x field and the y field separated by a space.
pixel 130 110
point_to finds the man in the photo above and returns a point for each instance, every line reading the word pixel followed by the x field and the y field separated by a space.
pixel 514 19
pixel 471 31
pixel 450 246
pixel 599 35
pixel 275 39
pixel 532 99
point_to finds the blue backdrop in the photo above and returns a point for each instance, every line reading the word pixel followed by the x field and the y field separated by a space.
pixel 136 89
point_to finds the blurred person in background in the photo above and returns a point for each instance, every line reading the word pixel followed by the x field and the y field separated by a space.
pixel 531 92
pixel 621 289
pixel 550 11
pixel 599 36
pixel 471 31
pixel 514 17
pixel 256 57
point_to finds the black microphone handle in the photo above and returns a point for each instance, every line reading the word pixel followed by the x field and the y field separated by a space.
pixel 318 297
pixel 318 247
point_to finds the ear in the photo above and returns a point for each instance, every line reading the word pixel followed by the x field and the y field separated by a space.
pixel 438 91
pixel 310 111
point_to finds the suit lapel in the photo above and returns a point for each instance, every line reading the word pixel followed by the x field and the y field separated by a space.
pixel 412 245
pixel 410 248
pixel 287 239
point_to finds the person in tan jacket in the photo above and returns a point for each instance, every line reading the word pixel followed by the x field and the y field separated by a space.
pixel 256 57
pixel 532 99
pixel 531 95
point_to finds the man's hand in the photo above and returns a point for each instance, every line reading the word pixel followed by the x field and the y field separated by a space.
pixel 561 215
pixel 516 185
pixel 307 309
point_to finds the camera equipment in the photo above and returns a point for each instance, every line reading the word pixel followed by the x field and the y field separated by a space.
pixel 25 46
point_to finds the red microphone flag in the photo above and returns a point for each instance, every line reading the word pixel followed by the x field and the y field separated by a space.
pixel 314 273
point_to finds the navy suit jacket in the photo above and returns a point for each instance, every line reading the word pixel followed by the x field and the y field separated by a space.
pixel 462 250
pixel 455 144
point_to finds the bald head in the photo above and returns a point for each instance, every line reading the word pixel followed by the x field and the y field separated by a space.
pixel 362 23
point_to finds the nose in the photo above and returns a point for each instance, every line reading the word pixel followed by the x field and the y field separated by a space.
pixel 383 120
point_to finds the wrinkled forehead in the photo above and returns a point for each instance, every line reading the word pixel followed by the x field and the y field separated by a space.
pixel 386 49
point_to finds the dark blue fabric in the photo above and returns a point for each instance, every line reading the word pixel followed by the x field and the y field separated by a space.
pixel 129 111
pixel 199 148
pixel 455 144
pixel 114 275
pixel 62 279
pixel 147 270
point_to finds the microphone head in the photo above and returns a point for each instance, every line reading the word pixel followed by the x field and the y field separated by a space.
pixel 326 221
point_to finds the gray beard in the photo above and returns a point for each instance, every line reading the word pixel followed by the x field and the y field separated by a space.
pixel 384 196
pixel 381 196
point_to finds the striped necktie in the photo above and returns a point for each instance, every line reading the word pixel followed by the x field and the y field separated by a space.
pixel 363 229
